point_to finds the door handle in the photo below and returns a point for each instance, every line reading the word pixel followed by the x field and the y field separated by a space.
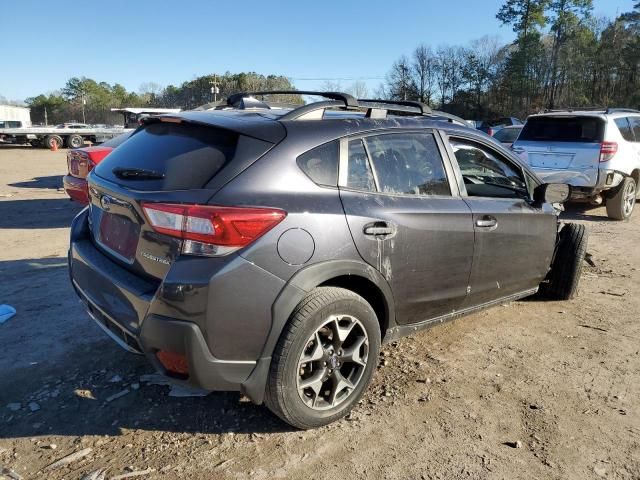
pixel 486 221
pixel 378 229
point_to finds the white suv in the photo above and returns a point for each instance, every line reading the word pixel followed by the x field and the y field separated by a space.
pixel 597 152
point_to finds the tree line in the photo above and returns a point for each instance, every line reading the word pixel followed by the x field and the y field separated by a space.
pixel 563 56
pixel 86 100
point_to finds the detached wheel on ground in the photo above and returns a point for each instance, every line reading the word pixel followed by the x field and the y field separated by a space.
pixel 564 277
pixel 75 141
pixel 620 205
pixel 324 359
pixel 50 139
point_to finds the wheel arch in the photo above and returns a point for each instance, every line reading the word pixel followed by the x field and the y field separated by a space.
pixel 358 277
pixel 636 176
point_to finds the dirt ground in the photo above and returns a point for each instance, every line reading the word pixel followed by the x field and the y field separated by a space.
pixel 546 390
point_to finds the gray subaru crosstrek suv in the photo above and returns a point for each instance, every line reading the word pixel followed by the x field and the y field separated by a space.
pixel 271 249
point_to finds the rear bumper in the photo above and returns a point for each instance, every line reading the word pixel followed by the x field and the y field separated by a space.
pixel 76 188
pixel 126 307
pixel 584 183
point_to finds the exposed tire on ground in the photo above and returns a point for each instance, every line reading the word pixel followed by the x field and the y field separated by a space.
pixel 620 205
pixel 50 139
pixel 75 141
pixel 325 358
pixel 564 277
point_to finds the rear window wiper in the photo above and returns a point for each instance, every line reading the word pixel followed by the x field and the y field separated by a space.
pixel 137 173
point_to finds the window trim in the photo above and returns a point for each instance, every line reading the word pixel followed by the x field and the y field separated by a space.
pixel 449 171
pixel 496 152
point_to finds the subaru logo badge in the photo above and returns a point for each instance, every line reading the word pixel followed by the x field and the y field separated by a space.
pixel 105 203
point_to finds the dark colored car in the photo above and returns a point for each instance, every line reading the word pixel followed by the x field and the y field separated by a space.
pixel 80 161
pixel 272 250
pixel 493 126
pixel 507 135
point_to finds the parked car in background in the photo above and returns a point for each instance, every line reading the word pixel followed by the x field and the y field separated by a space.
pixel 80 161
pixel 508 135
pixel 597 152
pixel 272 251
pixel 72 125
pixel 493 126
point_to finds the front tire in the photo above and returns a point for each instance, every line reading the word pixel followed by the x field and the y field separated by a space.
pixel 620 205
pixel 564 277
pixel 325 358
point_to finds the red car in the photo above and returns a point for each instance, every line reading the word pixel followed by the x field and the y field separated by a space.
pixel 81 161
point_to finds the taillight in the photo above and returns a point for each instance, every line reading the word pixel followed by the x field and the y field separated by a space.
pixel 490 132
pixel 211 230
pixel 607 151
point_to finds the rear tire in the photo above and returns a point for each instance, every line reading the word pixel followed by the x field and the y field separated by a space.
pixel 75 141
pixel 331 343
pixel 564 277
pixel 50 139
pixel 620 205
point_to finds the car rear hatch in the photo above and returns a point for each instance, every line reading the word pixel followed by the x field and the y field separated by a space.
pixel 172 160
pixel 562 148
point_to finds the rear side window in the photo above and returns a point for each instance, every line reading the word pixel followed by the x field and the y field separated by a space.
pixel 635 124
pixel 359 173
pixel 625 128
pixel 408 163
pixel 187 155
pixel 321 164
pixel 563 129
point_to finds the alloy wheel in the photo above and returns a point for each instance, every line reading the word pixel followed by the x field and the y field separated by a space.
pixel 332 362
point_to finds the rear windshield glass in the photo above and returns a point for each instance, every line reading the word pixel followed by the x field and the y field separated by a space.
pixel 187 155
pixel 563 129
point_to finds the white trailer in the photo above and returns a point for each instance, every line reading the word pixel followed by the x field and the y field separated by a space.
pixel 12 116
pixel 63 135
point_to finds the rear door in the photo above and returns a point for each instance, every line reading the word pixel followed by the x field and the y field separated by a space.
pixel 515 240
pixel 562 149
pixel 408 220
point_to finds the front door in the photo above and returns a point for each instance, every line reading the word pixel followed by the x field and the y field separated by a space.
pixel 408 220
pixel 515 240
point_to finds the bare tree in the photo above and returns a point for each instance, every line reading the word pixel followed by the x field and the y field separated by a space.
pixel 400 82
pixel 358 89
pixel 424 72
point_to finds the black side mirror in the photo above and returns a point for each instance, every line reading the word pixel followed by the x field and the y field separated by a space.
pixel 552 193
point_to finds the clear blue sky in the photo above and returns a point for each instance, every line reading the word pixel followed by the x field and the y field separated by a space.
pixel 134 41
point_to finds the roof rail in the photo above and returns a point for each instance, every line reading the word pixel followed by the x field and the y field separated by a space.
pixel 422 107
pixel 575 109
pixel 244 100
pixel 619 110
pixel 348 100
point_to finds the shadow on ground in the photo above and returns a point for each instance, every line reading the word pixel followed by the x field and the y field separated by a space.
pixel 60 368
pixel 51 182
pixel 577 211
pixel 71 398
pixel 38 213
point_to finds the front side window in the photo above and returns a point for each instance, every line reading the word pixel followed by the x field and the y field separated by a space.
pixel 407 164
pixel 486 173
